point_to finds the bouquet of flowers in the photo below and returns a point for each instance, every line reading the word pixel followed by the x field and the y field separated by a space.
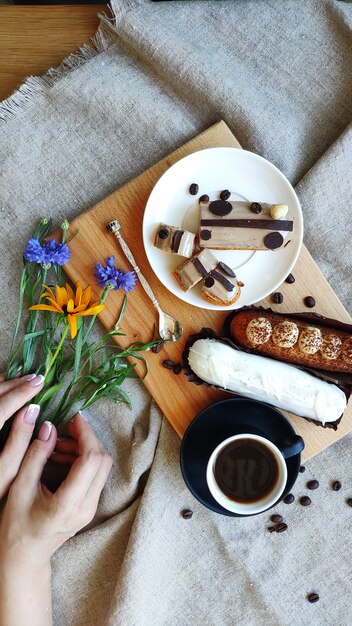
pixel 56 341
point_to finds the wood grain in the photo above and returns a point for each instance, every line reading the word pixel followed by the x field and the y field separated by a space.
pixel 179 400
pixel 33 39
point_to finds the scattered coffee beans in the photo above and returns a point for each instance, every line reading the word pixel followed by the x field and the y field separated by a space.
pixel 289 498
pixel 278 298
pixel 313 597
pixel 225 194
pixel 177 369
pixel 312 484
pixel 156 349
pixel 276 518
pixel 290 279
pixel 349 501
pixel 187 513
pixel 336 485
pixel 305 501
pixel 168 364
pixel 193 189
pixel 309 302
pixel 271 529
pixel 302 469
pixel 204 198
pixel 256 207
pixel 280 528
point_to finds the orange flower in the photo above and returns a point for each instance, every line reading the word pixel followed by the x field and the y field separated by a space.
pixel 71 305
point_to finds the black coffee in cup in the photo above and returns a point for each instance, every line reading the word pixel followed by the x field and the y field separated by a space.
pixel 246 470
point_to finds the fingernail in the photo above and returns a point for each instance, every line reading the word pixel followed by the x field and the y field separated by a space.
pixel 82 416
pixel 45 430
pixel 31 414
pixel 35 381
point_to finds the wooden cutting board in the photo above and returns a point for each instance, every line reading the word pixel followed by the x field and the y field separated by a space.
pixel 179 400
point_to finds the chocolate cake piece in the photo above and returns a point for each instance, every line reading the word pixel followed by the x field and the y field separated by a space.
pixel 175 240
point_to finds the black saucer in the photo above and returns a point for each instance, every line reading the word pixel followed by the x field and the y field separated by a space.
pixel 219 421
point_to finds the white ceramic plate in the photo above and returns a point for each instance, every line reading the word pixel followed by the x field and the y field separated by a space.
pixel 248 176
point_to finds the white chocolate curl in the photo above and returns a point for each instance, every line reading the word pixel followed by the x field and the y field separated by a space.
pixel 260 378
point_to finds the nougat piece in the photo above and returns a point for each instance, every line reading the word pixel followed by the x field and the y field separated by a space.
pixel 175 240
pixel 192 271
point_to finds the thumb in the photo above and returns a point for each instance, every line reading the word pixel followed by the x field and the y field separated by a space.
pixel 35 459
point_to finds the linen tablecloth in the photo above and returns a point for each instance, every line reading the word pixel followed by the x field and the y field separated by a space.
pixel 279 74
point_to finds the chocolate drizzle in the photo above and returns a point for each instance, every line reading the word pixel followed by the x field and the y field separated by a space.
pixel 286 225
pixel 176 240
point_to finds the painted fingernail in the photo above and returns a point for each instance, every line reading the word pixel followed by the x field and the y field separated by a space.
pixel 35 381
pixel 45 431
pixel 82 416
pixel 31 414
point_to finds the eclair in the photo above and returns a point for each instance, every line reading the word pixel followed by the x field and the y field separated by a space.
pixel 266 380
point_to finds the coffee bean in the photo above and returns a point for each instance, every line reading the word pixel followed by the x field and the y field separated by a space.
pixel 177 369
pixel 309 302
pixel 193 189
pixel 313 597
pixel 305 501
pixel 302 469
pixel 256 207
pixel 278 298
pixel 276 518
pixel 271 529
pixel 225 194
pixel 168 364
pixel 349 501
pixel 336 485
pixel 312 484
pixel 280 528
pixel 204 198
pixel 156 349
pixel 290 279
pixel 289 498
pixel 187 513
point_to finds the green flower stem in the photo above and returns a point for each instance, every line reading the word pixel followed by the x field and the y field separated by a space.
pixel 23 283
pixel 60 344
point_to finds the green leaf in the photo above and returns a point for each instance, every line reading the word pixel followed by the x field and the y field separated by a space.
pixel 122 312
pixel 47 394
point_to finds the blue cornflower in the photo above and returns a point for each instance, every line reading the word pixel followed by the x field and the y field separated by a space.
pixel 48 252
pixel 113 277
pixel 34 251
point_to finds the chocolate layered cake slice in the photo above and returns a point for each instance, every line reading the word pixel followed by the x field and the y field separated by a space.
pixel 192 271
pixel 221 286
pixel 241 225
pixel 175 240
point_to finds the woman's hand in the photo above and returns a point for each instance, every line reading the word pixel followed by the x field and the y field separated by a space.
pixel 35 522
pixel 13 395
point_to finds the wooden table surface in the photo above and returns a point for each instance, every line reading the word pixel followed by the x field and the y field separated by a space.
pixel 33 39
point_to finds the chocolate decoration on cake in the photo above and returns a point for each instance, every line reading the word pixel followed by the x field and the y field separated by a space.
pixel 273 240
pixel 200 267
pixel 220 207
pixel 163 233
pixel 227 269
pixel 209 281
pixel 286 225
pixel 226 283
pixel 176 240
pixel 205 235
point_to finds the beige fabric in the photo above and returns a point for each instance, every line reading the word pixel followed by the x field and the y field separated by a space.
pixel 279 73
